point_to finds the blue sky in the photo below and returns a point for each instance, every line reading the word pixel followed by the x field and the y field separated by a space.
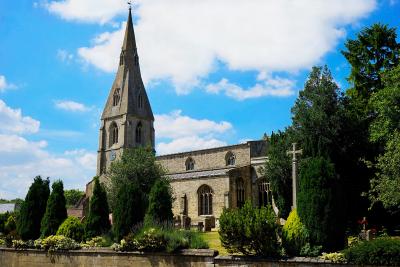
pixel 216 72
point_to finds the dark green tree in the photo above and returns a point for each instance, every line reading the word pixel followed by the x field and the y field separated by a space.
pixel 160 203
pixel 129 209
pixel 97 222
pixel 136 165
pixel 72 196
pixel 33 209
pixel 278 171
pixel 319 205
pixel 56 211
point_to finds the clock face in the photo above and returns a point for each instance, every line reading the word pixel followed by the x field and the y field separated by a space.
pixel 113 155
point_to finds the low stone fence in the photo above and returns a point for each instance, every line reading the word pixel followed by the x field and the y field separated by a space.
pixel 109 258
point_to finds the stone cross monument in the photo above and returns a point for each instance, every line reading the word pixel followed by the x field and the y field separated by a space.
pixel 294 152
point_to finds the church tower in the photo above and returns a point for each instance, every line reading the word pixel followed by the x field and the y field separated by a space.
pixel 127 120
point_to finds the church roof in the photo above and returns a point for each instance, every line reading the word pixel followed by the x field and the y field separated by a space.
pixel 128 83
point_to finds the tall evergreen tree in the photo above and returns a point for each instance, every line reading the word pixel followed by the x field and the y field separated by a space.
pixel 33 209
pixel 56 211
pixel 97 223
pixel 160 202
pixel 129 209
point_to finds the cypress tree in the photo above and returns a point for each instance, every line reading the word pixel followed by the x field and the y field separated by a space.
pixel 129 209
pixel 56 212
pixel 97 222
pixel 33 209
pixel 160 203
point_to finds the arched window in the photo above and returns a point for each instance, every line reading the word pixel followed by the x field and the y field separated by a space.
pixel 230 159
pixel 205 200
pixel 189 164
pixel 140 101
pixel 240 193
pixel 113 133
pixel 116 97
pixel 264 193
pixel 139 133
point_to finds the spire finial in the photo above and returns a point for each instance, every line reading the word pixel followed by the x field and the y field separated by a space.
pixel 130 5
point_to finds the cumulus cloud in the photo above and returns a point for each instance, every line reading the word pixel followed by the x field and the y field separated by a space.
pixel 93 11
pixel 4 85
pixel 183 133
pixel 269 86
pixel 12 121
pixel 69 105
pixel 182 40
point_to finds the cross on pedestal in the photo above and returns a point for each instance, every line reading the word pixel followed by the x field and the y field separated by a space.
pixel 294 152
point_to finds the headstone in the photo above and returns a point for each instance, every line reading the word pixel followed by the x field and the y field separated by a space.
pixel 294 153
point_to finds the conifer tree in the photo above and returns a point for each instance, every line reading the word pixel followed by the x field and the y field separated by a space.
pixel 33 209
pixel 97 222
pixel 56 211
pixel 160 203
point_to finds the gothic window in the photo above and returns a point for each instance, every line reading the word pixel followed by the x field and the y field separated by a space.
pixel 230 159
pixel 264 193
pixel 113 134
pixel 139 133
pixel 189 164
pixel 116 97
pixel 205 194
pixel 140 101
pixel 240 192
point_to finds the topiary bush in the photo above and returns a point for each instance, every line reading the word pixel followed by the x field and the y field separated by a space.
pixel 72 228
pixel 294 234
pixel 380 251
pixel 249 230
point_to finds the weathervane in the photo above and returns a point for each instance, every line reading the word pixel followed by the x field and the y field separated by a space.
pixel 130 4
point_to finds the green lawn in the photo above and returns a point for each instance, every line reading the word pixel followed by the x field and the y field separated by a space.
pixel 213 241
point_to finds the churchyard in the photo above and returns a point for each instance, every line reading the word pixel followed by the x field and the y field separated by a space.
pixel 334 175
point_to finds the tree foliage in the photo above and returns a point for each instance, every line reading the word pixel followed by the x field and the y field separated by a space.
pixel 33 209
pixel 319 205
pixel 160 203
pixel 72 196
pixel 278 171
pixel 97 222
pixel 294 234
pixel 56 211
pixel 72 228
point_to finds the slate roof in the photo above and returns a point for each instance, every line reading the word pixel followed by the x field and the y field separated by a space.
pixel 198 174
pixel 7 207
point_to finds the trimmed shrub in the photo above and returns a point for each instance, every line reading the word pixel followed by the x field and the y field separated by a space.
pixel 56 211
pixel 380 251
pixel 72 228
pixel 250 231
pixel 33 209
pixel 160 203
pixel 59 242
pixel 294 234
pixel 97 223
pixel 335 257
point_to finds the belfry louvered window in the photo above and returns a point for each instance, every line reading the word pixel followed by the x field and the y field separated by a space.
pixel 113 134
pixel 138 133
pixel 205 195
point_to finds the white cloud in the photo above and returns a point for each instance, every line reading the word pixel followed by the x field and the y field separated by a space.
pixel 183 133
pixel 93 11
pixel 64 55
pixel 269 86
pixel 181 40
pixel 69 105
pixel 12 121
pixel 4 85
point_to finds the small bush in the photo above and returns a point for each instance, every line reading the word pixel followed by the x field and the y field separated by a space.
pixel 250 231
pixel 10 225
pixel 97 242
pixel 72 228
pixel 294 234
pixel 20 244
pixel 335 257
pixel 380 251
pixel 59 242
pixel 2 242
pixel 151 239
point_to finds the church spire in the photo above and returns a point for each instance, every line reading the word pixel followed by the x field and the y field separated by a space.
pixel 129 43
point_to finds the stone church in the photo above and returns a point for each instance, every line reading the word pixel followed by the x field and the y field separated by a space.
pixel 203 181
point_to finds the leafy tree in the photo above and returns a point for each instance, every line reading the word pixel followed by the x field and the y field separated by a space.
pixel 160 203
pixel 72 228
pixel 72 197
pixel 136 165
pixel 278 171
pixel 33 209
pixel 97 222
pixel 56 212
pixel 319 205
pixel 129 209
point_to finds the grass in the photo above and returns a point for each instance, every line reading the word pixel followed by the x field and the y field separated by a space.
pixel 212 238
